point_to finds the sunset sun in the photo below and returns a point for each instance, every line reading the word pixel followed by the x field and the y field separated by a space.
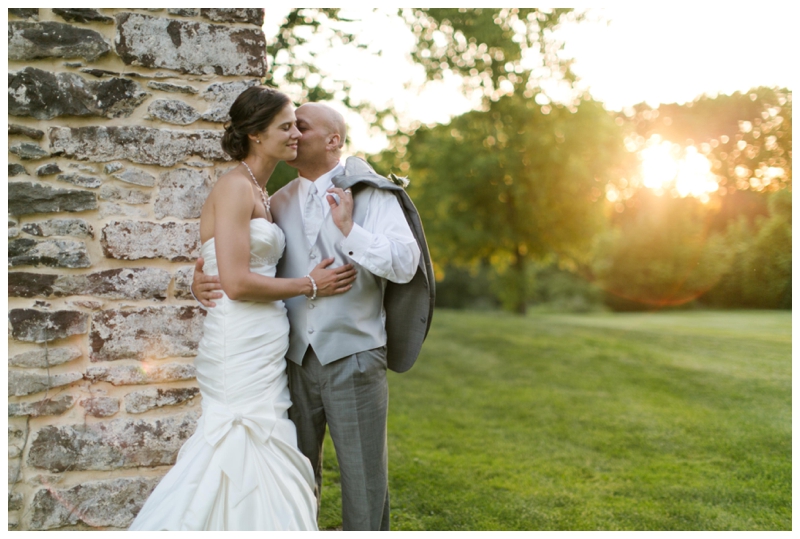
pixel 667 167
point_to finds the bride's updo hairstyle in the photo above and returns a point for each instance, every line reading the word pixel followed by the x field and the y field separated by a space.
pixel 252 112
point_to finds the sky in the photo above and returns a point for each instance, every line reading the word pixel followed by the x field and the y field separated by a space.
pixel 624 55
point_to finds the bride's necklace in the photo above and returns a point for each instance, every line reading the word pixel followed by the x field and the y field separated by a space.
pixel 264 194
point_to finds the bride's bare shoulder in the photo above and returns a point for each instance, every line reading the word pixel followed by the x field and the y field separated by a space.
pixel 233 180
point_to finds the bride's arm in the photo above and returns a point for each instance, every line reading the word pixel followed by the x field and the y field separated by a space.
pixel 232 243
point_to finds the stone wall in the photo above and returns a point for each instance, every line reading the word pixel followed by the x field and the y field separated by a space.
pixel 115 120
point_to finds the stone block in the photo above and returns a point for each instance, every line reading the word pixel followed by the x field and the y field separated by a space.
pixel 90 182
pixel 14 501
pixel 31 325
pixel 44 95
pixel 53 253
pixel 221 96
pixel 84 15
pixel 189 46
pixel 119 283
pixel 59 227
pixel 138 144
pixel 14 129
pixel 29 151
pixel 110 503
pixel 138 402
pixel 126 375
pixel 146 334
pixel 83 168
pixel 26 383
pixel 16 439
pixel 112 167
pixel 48 170
pixel 134 240
pixel 24 13
pixel 101 406
pixel 173 111
pixel 121 210
pixel 40 408
pixel 32 40
pixel 184 12
pixel 136 177
pixel 182 193
pixel 15 169
pixel 14 471
pixel 129 196
pixel 240 14
pixel 25 198
pixel 45 357
pixel 111 445
pixel 169 87
pixel 183 283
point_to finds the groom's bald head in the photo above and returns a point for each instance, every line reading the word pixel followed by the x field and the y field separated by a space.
pixel 324 134
pixel 325 118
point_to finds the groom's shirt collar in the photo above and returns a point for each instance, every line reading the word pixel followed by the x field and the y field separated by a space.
pixel 323 183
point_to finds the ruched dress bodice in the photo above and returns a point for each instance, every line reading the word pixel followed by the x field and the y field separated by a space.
pixel 241 469
pixel 228 371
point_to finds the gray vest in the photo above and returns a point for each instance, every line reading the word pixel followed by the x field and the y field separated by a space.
pixel 335 326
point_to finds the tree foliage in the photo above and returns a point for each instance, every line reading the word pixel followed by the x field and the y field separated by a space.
pixel 746 136
pixel 760 272
pixel 512 184
pixel 660 253
pixel 294 67
pixel 292 63
pixel 486 46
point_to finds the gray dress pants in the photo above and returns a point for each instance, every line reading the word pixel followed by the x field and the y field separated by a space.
pixel 351 396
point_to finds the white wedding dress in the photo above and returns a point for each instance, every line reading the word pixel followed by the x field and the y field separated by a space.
pixel 241 469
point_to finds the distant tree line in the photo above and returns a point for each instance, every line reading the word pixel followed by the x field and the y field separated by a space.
pixel 513 195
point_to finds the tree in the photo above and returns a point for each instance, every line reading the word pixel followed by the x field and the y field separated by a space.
pixel 760 272
pixel 660 252
pixel 488 46
pixel 512 184
pixel 746 136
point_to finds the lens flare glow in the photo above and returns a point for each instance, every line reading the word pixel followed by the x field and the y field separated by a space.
pixel 665 167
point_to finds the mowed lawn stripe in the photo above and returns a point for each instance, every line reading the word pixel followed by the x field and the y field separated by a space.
pixel 594 422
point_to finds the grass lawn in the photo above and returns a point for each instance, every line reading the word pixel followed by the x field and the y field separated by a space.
pixel 667 421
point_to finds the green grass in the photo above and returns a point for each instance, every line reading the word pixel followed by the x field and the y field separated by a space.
pixel 668 421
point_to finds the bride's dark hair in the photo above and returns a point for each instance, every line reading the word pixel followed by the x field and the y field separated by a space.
pixel 253 111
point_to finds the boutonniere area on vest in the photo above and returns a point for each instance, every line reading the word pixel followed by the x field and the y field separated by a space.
pixel 399 180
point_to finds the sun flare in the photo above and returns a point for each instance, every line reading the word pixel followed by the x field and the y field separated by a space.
pixel 667 167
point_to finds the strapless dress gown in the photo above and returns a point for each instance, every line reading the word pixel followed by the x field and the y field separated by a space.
pixel 241 469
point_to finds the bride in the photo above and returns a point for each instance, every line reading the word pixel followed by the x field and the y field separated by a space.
pixel 241 470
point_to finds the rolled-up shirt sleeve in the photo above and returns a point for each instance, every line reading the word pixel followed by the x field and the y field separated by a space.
pixel 384 245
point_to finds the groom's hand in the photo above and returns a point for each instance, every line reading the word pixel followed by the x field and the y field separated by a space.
pixel 341 209
pixel 204 287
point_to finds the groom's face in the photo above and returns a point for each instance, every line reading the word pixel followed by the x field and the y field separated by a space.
pixel 312 123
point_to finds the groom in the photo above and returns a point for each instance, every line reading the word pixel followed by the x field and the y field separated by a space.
pixel 337 356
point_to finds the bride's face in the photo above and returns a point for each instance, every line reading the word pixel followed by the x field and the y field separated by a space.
pixel 279 139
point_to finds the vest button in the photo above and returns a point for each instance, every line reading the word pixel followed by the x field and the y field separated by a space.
pixel 310 305
pixel 310 330
pixel 313 255
pixel 350 253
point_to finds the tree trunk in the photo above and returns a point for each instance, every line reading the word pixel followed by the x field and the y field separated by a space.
pixel 520 303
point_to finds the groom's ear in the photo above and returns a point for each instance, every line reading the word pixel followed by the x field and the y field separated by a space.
pixel 334 141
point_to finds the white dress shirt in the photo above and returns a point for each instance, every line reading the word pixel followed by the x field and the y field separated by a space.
pixel 384 244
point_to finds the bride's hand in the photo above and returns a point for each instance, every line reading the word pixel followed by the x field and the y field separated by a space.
pixel 333 281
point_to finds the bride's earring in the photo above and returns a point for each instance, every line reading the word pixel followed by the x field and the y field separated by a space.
pixel 258 141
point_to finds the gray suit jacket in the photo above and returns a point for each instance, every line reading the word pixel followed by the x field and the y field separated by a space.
pixel 409 306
